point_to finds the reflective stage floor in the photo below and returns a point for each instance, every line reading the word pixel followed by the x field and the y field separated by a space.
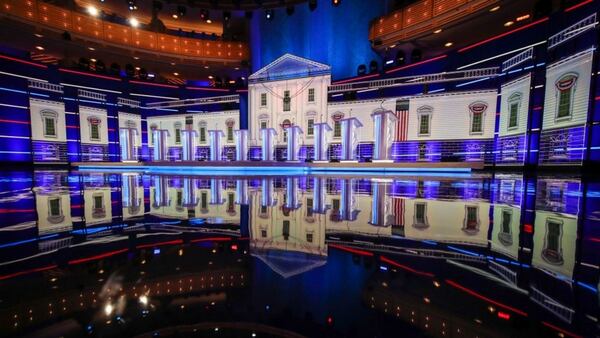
pixel 157 255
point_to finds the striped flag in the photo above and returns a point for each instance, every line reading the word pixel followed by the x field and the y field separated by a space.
pixel 402 120
pixel 398 210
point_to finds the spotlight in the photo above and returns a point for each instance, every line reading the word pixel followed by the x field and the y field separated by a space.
pixel 448 44
pixel 93 11
pixel 134 22
pixel 336 3
pixel 437 31
pixel 226 16
pixel 132 5
pixel 39 47
pixel 509 23
pixel 312 4
pixel 269 14
pixel 290 10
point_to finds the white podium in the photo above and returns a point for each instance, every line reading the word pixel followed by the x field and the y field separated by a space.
pixel 321 141
pixel 129 142
pixel 241 144
pixel 384 122
pixel 349 138
pixel 293 142
pixel 216 144
pixel 160 144
pixel 189 141
pixel 268 143
pixel 291 193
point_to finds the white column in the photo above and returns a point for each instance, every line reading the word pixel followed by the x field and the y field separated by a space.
pixel 349 138
pixel 241 145
pixel 160 144
pixel 321 141
pixel 216 144
pixel 268 142
pixel 189 138
pixel 293 138
pixel 384 122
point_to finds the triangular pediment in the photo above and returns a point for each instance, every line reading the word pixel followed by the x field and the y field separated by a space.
pixel 289 66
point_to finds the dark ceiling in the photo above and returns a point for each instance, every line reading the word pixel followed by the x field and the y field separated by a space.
pixel 235 4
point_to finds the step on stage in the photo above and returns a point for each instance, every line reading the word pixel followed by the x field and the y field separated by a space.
pixel 257 167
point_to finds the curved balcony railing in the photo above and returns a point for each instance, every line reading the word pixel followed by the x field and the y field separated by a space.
pixel 86 26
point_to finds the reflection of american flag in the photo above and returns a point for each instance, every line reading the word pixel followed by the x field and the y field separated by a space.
pixel 402 122
pixel 398 210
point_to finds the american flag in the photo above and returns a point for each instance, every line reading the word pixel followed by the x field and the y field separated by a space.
pixel 398 210
pixel 402 120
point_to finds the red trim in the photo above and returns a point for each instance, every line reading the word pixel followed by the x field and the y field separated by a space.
pixel 594 239
pixel 151 245
pixel 570 334
pixel 404 267
pixel 153 84
pixel 211 239
pixel 417 63
pixel 89 74
pixel 597 98
pixel 464 49
pixel 352 79
pixel 23 61
pixel 14 121
pixel 20 273
pixel 241 90
pixel 100 256
pixel 354 251
pixel 73 127
pixel 11 211
pixel 475 294
pixel 578 5
pixel 208 89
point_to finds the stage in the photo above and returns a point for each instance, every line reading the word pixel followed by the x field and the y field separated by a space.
pixel 274 167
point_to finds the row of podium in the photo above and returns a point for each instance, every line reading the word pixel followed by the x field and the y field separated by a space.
pixel 384 130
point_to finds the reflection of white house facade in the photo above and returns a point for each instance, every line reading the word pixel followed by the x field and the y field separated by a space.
pixel 53 207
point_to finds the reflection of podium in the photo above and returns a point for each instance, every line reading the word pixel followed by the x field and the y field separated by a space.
pixel 348 211
pixel 291 194
pixel 241 192
pixel 188 137
pixel 160 144
pixel 241 145
pixel 384 122
pixel 319 188
pixel 216 145
pixel 128 140
pixel 161 192
pixel 380 206
pixel 268 142
pixel 320 141
pixel 189 192
pixel 293 138
pixel 267 193
pixel 349 138
pixel 216 197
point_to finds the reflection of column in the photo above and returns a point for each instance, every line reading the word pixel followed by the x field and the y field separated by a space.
pixel 291 193
pixel 379 205
pixel 241 145
pixel 188 137
pixel 319 205
pixel 267 192
pixel 130 193
pixel 349 138
pixel 384 122
pixel 347 211
pixel 189 192
pixel 293 136
pixel 215 192
pixel 268 142
pixel 216 144
pixel 160 144
pixel 320 141
pixel 241 192
pixel 161 192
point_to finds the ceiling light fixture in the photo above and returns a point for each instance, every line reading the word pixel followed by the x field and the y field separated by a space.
pixel 39 47
pixel 448 44
pixel 437 31
pixel 493 9
pixel 523 17
pixel 37 35
pixel 509 23
pixel 92 48
pixel 211 77
pixel 134 22
pixel 93 11
pixel 176 74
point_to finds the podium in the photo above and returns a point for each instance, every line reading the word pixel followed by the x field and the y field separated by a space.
pixel 348 211
pixel 349 138
pixel 129 141
pixel 268 143
pixel 241 144
pixel 293 142
pixel 189 141
pixel 291 194
pixel 321 141
pixel 216 145
pixel 384 122
pixel 380 206
pixel 160 144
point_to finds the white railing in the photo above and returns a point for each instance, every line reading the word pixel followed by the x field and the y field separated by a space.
pixel 88 94
pixel 504 272
pixel 45 86
pixel 128 102
pixel 572 31
pixel 552 305
pixel 518 59
pixel 194 102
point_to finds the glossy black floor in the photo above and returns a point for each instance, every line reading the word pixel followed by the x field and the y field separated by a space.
pixel 138 254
